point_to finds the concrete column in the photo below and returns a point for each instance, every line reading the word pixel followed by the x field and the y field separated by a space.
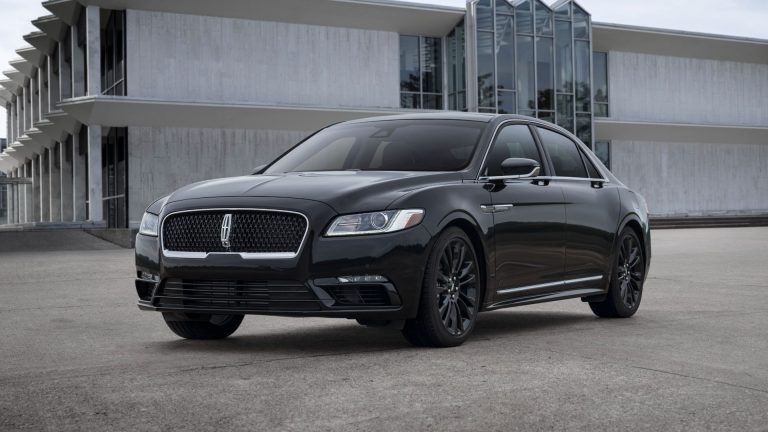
pixel 93 54
pixel 54 164
pixel 79 165
pixel 78 62
pixel 95 193
pixel 65 179
pixel 36 188
pixel 45 186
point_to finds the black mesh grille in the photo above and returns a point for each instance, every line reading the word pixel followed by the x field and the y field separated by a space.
pixel 236 295
pixel 359 295
pixel 251 232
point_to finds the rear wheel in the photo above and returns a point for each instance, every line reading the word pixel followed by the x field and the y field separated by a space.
pixel 450 294
pixel 627 278
pixel 202 326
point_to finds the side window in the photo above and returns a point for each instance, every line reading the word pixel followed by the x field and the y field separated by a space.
pixel 591 170
pixel 514 141
pixel 564 154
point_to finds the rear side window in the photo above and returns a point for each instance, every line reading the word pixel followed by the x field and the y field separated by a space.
pixel 564 154
pixel 593 172
pixel 514 141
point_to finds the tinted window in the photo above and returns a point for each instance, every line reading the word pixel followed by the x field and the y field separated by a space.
pixel 403 145
pixel 564 154
pixel 591 170
pixel 513 141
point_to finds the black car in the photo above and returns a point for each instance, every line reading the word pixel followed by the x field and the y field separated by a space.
pixel 416 221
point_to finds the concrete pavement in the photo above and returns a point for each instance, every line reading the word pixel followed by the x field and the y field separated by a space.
pixel 76 354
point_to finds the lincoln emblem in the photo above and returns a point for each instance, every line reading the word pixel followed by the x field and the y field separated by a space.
pixel 226 228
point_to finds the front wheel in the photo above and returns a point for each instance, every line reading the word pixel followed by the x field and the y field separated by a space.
pixel 202 326
pixel 627 279
pixel 450 294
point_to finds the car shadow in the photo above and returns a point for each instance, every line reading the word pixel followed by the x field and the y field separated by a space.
pixel 347 337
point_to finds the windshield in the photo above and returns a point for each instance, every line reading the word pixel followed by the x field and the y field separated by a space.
pixel 399 145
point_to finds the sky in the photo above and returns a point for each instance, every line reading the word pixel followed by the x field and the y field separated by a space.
pixel 733 17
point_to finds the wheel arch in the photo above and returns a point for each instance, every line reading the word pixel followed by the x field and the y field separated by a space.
pixel 634 222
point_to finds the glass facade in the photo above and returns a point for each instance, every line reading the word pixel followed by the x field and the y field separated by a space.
pixel 535 60
pixel 457 68
pixel 113 54
pixel 421 72
pixel 114 166
pixel 603 152
pixel 600 83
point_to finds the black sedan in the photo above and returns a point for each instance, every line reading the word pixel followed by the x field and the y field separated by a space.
pixel 414 221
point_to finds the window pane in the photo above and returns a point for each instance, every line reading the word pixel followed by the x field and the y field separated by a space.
pixel 547 116
pixel 543 20
pixel 584 128
pixel 505 51
pixel 564 57
pixel 485 70
pixel 580 23
pixel 601 110
pixel 591 170
pixel 409 64
pixel 545 73
pixel 563 11
pixel 563 153
pixel 600 76
pixel 583 90
pixel 432 65
pixel 503 7
pixel 513 141
pixel 524 15
pixel 525 74
pixel 565 111
pixel 432 102
pixel 603 152
pixel 410 100
pixel 507 102
pixel 484 15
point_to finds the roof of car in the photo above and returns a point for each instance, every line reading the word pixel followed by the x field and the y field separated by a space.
pixel 447 115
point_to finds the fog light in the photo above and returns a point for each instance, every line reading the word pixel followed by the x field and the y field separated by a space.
pixel 361 279
pixel 149 277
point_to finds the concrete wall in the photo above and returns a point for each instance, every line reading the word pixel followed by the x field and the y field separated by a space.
pixel 189 57
pixel 645 87
pixel 161 160
pixel 695 178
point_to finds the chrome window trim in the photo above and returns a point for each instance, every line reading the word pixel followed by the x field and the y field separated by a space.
pixel 245 255
pixel 550 284
pixel 481 178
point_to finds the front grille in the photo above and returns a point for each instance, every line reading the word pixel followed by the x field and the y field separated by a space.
pixel 358 295
pixel 257 231
pixel 266 296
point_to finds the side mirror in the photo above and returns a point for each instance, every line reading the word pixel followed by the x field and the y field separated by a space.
pixel 520 168
pixel 258 169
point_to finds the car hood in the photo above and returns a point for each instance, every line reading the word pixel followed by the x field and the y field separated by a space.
pixel 344 191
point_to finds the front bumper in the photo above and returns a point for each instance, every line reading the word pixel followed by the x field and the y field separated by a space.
pixel 306 285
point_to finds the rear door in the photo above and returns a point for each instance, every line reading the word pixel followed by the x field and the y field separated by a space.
pixel 591 211
pixel 529 220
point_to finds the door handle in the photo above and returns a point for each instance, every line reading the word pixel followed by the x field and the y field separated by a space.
pixel 496 208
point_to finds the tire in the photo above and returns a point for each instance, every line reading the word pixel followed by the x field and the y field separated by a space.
pixel 205 327
pixel 627 279
pixel 450 294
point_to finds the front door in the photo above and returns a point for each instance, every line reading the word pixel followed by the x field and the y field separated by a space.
pixel 529 221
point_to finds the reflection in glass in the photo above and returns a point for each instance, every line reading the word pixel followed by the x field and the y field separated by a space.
pixel 565 111
pixel 409 64
pixel 580 23
pixel 524 15
pixel 507 103
pixel 432 65
pixel 583 90
pixel 456 69
pixel 603 152
pixel 563 11
pixel 503 7
pixel 545 74
pixel 485 69
pixel 432 101
pixel 564 56
pixel 584 128
pixel 484 13
pixel 505 51
pixel 543 19
pixel 525 73
pixel 600 83
pixel 548 116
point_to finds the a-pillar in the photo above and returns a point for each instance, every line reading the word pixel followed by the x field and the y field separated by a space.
pixel 45 186
pixel 54 164
pixel 79 174
pixel 95 193
pixel 65 161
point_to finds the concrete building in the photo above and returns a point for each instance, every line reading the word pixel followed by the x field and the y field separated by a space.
pixel 114 103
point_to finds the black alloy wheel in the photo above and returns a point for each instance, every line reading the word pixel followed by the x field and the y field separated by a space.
pixel 627 279
pixel 450 293
pixel 202 326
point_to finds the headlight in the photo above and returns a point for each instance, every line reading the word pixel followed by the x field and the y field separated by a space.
pixel 149 224
pixel 375 223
